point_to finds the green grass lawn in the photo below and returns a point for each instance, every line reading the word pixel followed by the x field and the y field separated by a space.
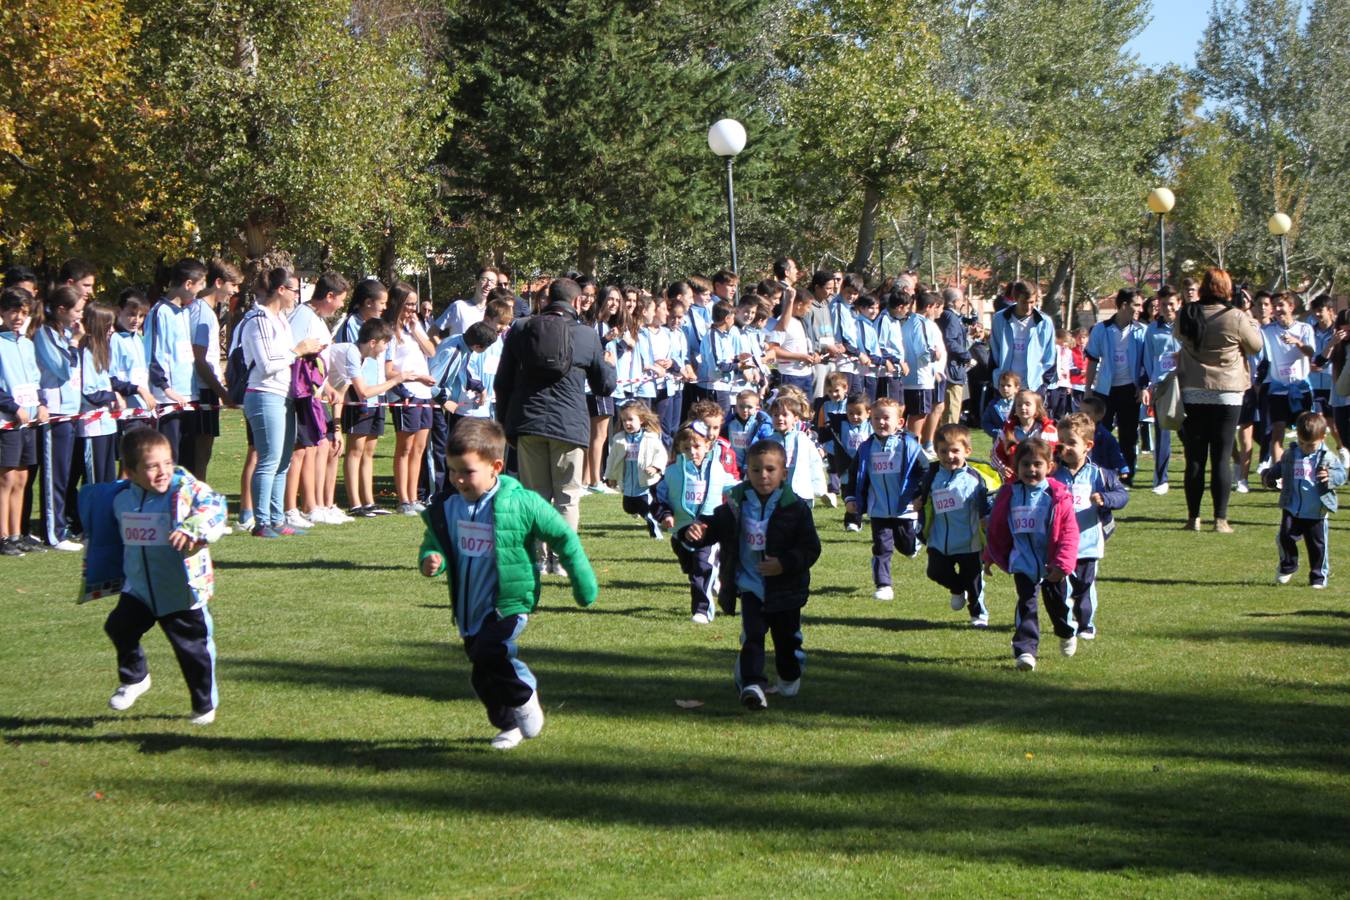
pixel 1197 748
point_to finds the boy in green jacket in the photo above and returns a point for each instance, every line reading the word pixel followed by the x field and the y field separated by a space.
pixel 484 533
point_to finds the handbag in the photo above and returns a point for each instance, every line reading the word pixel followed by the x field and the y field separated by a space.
pixel 1168 409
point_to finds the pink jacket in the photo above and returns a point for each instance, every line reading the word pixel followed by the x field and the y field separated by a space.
pixel 1062 551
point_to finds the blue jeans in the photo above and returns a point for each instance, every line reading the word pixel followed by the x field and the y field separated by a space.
pixel 272 418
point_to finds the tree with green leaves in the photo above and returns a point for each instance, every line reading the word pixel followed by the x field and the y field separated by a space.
pixel 581 127
pixel 297 124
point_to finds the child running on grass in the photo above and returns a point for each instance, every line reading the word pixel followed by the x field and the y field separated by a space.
pixel 1033 534
pixel 147 539
pixel 637 457
pixel 1310 475
pixel 768 544
pixel 1028 420
pixel 957 503
pixel 888 473
pixel 1096 493
pixel 484 531
pixel 694 486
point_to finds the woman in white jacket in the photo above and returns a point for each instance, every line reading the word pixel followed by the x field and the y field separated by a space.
pixel 269 349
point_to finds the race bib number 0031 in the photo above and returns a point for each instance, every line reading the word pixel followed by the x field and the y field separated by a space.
pixel 754 534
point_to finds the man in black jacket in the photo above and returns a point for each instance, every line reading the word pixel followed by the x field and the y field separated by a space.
pixel 544 414
pixel 954 335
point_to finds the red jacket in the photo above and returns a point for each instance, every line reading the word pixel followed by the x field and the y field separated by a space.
pixel 727 455
pixel 1006 443
pixel 1062 549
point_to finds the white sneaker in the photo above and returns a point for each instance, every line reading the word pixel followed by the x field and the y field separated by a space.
pixel 1281 578
pixel 407 509
pixel 555 567
pixel 530 717
pixel 1161 489
pixel 296 519
pixel 337 517
pixel 884 593
pixel 832 500
pixel 979 621
pixel 1087 634
pixel 1319 587
pixel 787 688
pixel 853 526
pixel 126 695
pixel 1344 454
pixel 602 488
pixel 205 718
pixel 700 619
pixel 321 515
pixel 1068 646
pixel 958 602
pixel 1241 487
pixel 1262 466
pixel 1026 663
pixel 69 546
pixel 507 739
pixel 753 697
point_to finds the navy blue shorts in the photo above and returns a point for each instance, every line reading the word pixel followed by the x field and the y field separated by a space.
pixel 599 407
pixel 203 421
pixel 363 421
pixel 18 448
pixel 311 428
pixel 918 401
pixel 412 418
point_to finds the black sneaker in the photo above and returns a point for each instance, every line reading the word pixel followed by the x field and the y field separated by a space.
pixel 28 545
pixel 361 512
pixel 10 547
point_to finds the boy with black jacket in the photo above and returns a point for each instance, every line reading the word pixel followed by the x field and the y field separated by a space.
pixel 768 544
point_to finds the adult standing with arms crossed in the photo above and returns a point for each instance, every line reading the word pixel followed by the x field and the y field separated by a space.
pixel 1215 340
pixel 546 362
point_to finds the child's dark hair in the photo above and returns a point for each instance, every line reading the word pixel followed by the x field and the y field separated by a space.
pixel 1094 407
pixel 721 311
pixel 186 270
pixel 366 290
pixel 374 329
pixel 858 398
pixel 1311 426
pixel 480 334
pixel 953 433
pixel 76 270
pixel 398 295
pixel 136 444
pixel 15 298
pixel 220 270
pixel 63 297
pixel 765 448
pixel 1033 447
pixel 864 301
pixel 132 298
pixel 277 278
pixel 482 437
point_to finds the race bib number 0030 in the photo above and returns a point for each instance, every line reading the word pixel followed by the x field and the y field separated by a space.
pixel 1026 520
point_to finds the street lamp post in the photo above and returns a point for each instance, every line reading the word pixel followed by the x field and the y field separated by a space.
pixel 1160 203
pixel 1279 225
pixel 726 138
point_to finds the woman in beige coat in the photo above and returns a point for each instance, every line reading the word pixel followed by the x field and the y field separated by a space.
pixel 1212 369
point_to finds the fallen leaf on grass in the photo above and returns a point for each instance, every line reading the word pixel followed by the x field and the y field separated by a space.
pixel 688 704
pixel 97 795
pixel 1031 756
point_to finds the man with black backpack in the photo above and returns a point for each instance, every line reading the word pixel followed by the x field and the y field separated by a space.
pixel 546 362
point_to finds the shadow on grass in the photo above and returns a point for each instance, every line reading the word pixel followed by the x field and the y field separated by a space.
pixel 1163 821
pixel 1180 520
pixel 1314 613
pixel 1121 579
pixel 1312 636
pixel 327 564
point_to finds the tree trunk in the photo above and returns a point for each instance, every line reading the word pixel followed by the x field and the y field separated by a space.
pixel 867 230
pixel 914 262
pixel 586 254
pixel 387 268
pixel 1054 296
